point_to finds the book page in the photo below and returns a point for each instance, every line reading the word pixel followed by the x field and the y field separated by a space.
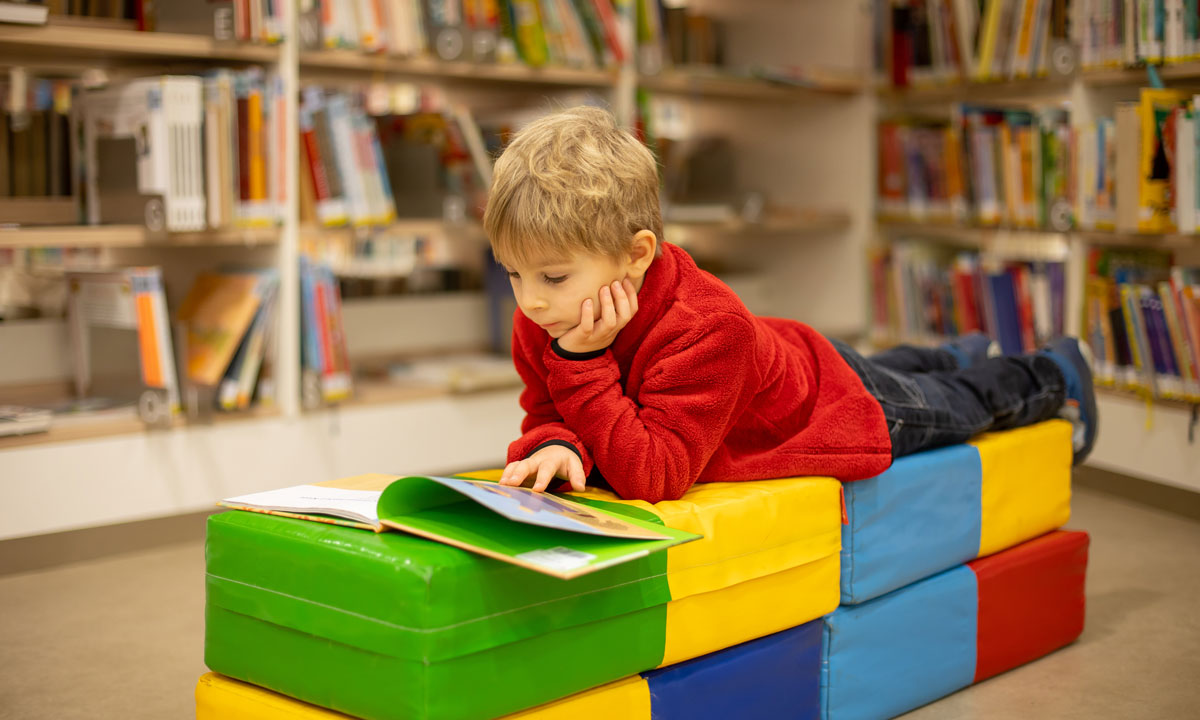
pixel 535 508
pixel 358 505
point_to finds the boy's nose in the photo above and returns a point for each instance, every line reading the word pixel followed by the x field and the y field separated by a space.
pixel 533 301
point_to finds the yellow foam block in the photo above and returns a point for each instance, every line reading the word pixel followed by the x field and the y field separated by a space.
pixel 701 624
pixel 222 698
pixel 1026 483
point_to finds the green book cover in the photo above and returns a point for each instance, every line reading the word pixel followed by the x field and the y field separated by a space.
pixel 543 532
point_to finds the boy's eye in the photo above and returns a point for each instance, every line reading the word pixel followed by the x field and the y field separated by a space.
pixel 554 280
pixel 514 274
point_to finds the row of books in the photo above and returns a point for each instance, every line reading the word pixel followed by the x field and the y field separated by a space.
pixel 1142 321
pixel 922 42
pixel 987 166
pixel 35 142
pixel 1138 171
pixel 324 358
pixel 1116 33
pixel 924 292
pixel 568 33
pixel 208 146
pixel 240 20
pixel 224 332
pixel 673 34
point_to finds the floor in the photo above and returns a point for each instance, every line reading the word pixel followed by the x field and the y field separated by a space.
pixel 122 637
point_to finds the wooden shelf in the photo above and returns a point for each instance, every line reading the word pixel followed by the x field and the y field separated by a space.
pixel 1110 237
pixel 124 421
pixel 1023 90
pixel 402 226
pixel 973 235
pixel 1138 76
pixel 803 224
pixel 58 41
pixel 360 62
pixel 129 236
pixel 706 83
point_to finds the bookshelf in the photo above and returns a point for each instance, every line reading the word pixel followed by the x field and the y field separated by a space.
pixel 1142 436
pixel 819 167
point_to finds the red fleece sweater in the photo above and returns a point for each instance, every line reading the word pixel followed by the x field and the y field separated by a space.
pixel 697 389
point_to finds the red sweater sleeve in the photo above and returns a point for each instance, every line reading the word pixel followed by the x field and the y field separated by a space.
pixel 655 447
pixel 542 423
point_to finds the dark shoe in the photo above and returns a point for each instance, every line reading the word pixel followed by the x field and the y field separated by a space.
pixel 972 349
pixel 1074 359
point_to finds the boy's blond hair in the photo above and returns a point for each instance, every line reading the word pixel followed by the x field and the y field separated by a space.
pixel 570 182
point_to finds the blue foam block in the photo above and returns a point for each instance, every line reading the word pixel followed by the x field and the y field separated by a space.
pixel 918 518
pixel 769 678
pixel 900 651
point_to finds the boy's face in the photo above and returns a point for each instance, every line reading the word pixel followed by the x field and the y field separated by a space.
pixel 551 292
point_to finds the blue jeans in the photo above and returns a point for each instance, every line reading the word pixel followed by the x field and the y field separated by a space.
pixel 929 401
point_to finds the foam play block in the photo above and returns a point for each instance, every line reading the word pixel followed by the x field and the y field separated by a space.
pixel 387 625
pixel 772 677
pixel 934 510
pixel 933 637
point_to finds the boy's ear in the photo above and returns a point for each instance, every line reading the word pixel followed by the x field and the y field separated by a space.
pixel 641 252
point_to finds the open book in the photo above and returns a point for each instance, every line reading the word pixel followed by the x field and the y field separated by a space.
pixel 538 531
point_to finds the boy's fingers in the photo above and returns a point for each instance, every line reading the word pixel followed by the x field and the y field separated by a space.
pixel 585 317
pixel 544 475
pixel 575 475
pixel 512 474
pixel 631 292
pixel 622 302
pixel 608 314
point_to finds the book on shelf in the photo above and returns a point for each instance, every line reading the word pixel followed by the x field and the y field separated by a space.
pixel 186 153
pixel 341 154
pixel 923 292
pixel 143 140
pixel 117 317
pixel 220 318
pixel 21 420
pixel 1142 322
pixel 566 33
pixel 37 154
pixel 543 532
pixel 243 375
pixel 988 166
pixel 929 42
pixel 1138 170
pixel 1131 32
pixel 324 355
pixel 254 21
pixel 24 12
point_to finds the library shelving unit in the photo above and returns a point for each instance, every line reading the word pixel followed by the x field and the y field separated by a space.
pixel 108 468
pixel 1148 438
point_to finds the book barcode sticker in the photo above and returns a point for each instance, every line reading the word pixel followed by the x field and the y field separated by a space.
pixel 557 558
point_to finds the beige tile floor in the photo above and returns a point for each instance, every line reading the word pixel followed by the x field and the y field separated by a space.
pixel 122 637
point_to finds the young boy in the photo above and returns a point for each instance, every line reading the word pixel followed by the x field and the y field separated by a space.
pixel 643 371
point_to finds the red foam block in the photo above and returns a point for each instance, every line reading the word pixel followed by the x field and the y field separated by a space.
pixel 1031 600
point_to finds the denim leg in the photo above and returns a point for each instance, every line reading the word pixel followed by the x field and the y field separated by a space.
pixel 944 407
pixel 910 358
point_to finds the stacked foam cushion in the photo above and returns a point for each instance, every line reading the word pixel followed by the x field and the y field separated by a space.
pixel 918 621
pixel 392 626
pixel 773 677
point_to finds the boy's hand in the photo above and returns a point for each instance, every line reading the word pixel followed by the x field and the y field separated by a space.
pixel 546 464
pixel 618 304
